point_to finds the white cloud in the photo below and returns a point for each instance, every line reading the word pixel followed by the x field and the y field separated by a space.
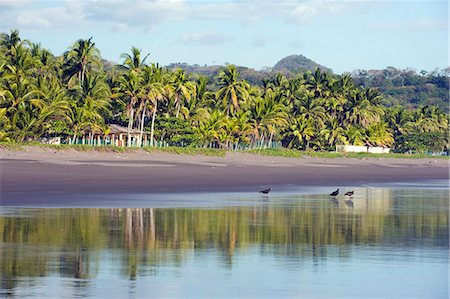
pixel 15 4
pixel 208 38
pixel 140 13
pixel 302 13
pixel 58 17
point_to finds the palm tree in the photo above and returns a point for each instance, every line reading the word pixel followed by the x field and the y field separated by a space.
pixel 355 135
pixel 397 119
pixel 232 91
pixel 333 132
pixel 266 114
pixel 157 89
pixel 10 41
pixel 299 132
pixel 379 134
pixel 311 108
pixel 183 88
pixel 362 108
pixel 209 130
pixel 133 61
pixel 82 56
pixel 54 117
pixel 13 44
pixel 129 90
pixel 92 100
pixel 318 83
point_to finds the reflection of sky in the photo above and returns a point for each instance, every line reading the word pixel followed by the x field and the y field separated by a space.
pixel 366 272
pixel 405 262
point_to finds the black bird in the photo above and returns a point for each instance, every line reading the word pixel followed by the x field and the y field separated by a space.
pixel 349 193
pixel 335 193
pixel 266 191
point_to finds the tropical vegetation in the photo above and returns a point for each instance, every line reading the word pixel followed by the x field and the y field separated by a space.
pixel 43 95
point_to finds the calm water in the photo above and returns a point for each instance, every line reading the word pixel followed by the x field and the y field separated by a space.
pixel 393 242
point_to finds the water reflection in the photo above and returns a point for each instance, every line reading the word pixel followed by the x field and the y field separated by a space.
pixel 311 236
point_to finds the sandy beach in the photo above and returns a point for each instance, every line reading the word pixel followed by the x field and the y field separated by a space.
pixel 39 175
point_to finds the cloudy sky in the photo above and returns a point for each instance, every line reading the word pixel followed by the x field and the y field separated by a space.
pixel 342 35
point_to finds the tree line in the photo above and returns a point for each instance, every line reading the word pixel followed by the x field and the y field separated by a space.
pixel 45 95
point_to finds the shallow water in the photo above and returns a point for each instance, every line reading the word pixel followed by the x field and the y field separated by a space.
pixel 392 242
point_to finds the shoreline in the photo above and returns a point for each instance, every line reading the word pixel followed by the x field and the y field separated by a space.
pixel 44 176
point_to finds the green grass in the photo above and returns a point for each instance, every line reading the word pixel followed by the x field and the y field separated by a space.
pixel 292 153
pixel 66 147
pixel 12 146
pixel 280 152
pixel 213 152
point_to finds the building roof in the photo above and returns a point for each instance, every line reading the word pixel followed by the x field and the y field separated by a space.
pixel 116 129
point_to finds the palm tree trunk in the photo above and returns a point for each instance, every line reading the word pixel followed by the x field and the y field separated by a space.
pixel 153 122
pixel 142 126
pixel 270 139
pixel 178 110
pixel 74 136
pixel 130 124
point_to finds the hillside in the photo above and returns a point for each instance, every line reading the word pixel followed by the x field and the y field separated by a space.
pixel 295 64
pixel 399 87
pixel 289 66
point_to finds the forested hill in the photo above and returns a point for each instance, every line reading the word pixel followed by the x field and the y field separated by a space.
pixel 399 87
pixel 295 64
pixel 407 87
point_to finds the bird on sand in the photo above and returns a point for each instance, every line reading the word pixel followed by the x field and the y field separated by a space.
pixel 349 193
pixel 266 191
pixel 334 193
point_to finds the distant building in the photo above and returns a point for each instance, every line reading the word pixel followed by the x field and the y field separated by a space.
pixel 362 149
pixel 51 140
pixel 116 135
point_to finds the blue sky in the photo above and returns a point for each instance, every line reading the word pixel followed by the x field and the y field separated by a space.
pixel 342 35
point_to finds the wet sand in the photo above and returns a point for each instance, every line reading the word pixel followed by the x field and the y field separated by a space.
pixel 44 176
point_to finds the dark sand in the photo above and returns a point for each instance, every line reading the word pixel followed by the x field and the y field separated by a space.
pixel 40 176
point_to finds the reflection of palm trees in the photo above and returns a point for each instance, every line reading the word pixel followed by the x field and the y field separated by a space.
pixel 147 238
pixel 134 227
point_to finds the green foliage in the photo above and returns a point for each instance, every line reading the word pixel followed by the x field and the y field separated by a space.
pixel 310 109
pixel 407 88
pixel 175 131
pixel 422 142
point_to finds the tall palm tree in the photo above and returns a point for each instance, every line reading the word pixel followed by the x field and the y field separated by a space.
pixel 129 90
pixel 183 88
pixel 232 91
pixel 92 101
pixel 82 56
pixel 157 89
pixel 312 108
pixel 318 83
pixel 362 109
pixel 266 115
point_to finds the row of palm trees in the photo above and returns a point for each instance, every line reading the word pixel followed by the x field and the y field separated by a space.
pixel 73 94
